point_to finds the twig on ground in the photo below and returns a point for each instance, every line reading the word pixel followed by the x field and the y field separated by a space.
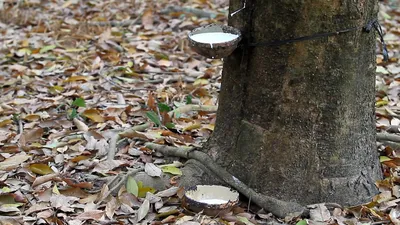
pixel 381 222
pixel 20 126
pixel 120 86
pixel 117 136
pixel 141 127
pixel 115 46
pixel 387 137
pixel 188 108
pixel 125 23
pixel 171 80
pixel 275 206
pixel 162 72
pixel 197 12
pixel 113 147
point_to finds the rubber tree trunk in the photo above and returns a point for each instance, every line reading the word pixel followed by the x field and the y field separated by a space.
pixel 296 121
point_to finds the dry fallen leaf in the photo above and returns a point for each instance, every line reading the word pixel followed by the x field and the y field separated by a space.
pixel 147 19
pixel 91 215
pixel 143 210
pixel 14 161
pixel 40 168
pixel 80 125
pixel 94 115
pixel 152 170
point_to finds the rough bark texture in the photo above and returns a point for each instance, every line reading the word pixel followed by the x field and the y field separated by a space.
pixel 296 121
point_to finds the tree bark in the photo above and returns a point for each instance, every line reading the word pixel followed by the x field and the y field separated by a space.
pixel 296 121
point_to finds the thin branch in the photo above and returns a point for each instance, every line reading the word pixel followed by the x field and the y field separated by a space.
pixel 120 86
pixel 381 222
pixel 113 23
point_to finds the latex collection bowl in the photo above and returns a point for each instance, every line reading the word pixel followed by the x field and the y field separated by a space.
pixel 211 199
pixel 215 50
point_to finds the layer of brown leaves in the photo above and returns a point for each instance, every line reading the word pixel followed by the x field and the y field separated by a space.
pixel 72 72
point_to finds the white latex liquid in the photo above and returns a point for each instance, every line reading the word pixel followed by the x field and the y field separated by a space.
pixel 213 37
pixel 213 201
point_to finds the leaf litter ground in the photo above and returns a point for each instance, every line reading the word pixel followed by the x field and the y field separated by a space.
pixel 74 73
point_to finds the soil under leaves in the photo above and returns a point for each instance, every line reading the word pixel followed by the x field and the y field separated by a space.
pixel 76 73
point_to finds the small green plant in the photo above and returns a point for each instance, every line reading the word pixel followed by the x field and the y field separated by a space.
pixel 72 112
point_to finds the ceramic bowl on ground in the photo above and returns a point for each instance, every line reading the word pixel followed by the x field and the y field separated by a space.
pixel 214 41
pixel 213 200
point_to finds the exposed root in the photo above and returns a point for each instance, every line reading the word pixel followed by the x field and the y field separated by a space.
pixel 275 206
pixel 188 108
pixel 117 136
pixel 387 137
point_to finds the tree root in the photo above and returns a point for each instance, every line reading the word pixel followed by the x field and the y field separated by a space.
pixel 188 108
pixel 275 206
pixel 387 137
pixel 117 136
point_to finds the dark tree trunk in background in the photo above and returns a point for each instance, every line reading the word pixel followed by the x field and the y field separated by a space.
pixel 296 121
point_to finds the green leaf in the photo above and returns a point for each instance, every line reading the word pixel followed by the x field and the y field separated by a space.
pixel 170 125
pixel 153 117
pixel 73 114
pixel 80 102
pixel 40 168
pixel 172 170
pixel 302 222
pixel 163 107
pixel 189 99
pixel 24 51
pixel 384 159
pixel 129 64
pixel 244 220
pixel 132 186
pixel 47 48
pixel 144 190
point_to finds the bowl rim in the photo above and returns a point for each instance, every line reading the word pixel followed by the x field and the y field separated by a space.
pixel 225 188
pixel 224 28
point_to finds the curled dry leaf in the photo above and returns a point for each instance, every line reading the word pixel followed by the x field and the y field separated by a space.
pixel 147 19
pixel 63 202
pixel 80 125
pixel 94 115
pixel 143 210
pixel 319 213
pixel 43 179
pixel 32 135
pixel 152 170
pixel 152 197
pixel 91 215
pixel 111 206
pixel 169 192
pixel 184 220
